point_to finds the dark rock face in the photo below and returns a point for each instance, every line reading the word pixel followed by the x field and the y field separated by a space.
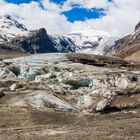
pixel 137 26
pixel 39 41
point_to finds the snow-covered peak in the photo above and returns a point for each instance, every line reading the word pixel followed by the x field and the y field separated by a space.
pixel 90 32
pixel 10 28
pixel 7 22
pixel 88 38
pixel 63 42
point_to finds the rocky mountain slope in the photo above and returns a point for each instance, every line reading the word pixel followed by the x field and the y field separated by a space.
pixel 127 47
pixel 16 39
pixel 39 41
pixel 99 42
pixel 14 36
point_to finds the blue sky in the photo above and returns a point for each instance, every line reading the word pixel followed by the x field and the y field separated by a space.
pixel 75 14
pixel 82 14
pixel 117 17
pixel 27 1
pixel 19 1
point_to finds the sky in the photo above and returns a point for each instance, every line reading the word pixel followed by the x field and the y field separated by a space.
pixel 117 17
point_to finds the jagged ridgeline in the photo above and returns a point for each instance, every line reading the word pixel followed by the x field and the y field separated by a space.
pixel 14 36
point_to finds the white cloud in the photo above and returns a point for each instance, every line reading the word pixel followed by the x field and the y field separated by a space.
pixel 51 6
pixel 121 15
pixel 121 18
pixel 88 4
pixel 34 17
pixel 2 1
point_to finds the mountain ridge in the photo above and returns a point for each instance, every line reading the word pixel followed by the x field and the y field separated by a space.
pixel 14 36
pixel 21 39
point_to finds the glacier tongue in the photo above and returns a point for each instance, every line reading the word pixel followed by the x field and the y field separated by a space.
pixel 106 41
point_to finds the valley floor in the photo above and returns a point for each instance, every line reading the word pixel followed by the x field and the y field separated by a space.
pixel 27 124
pixel 69 97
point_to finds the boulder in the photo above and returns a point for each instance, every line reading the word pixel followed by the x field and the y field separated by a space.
pixel 6 73
pixel 85 102
pixel 102 105
pixel 13 87
pixel 14 69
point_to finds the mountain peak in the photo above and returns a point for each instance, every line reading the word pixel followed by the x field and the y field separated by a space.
pixel 10 28
pixel 9 21
pixel 88 39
